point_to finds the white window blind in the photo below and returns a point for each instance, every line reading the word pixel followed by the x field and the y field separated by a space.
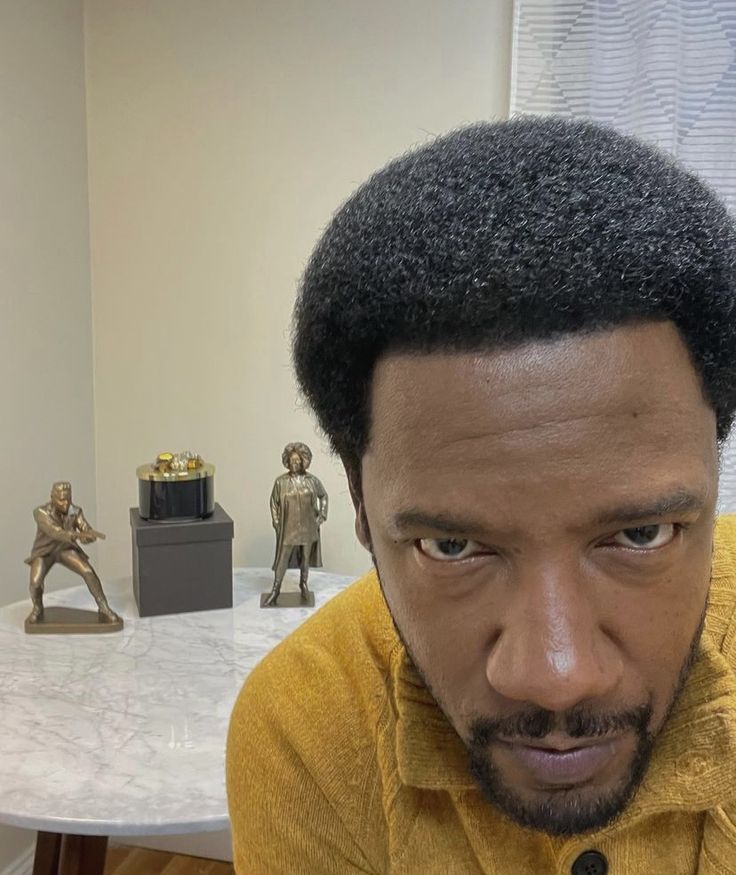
pixel 664 70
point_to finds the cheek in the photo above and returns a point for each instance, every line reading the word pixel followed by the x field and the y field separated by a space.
pixel 660 630
pixel 670 610
pixel 448 626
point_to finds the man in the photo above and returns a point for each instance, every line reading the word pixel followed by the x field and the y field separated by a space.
pixel 520 339
pixel 61 526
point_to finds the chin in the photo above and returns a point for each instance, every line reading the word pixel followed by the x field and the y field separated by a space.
pixel 563 811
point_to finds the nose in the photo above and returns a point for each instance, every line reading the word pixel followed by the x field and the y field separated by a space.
pixel 552 651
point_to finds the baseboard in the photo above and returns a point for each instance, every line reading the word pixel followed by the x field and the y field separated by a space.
pixel 22 865
pixel 212 845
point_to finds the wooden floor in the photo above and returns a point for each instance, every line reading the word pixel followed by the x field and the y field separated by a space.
pixel 138 861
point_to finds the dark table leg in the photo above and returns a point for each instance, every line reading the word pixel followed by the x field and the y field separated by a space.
pixel 58 854
pixel 48 851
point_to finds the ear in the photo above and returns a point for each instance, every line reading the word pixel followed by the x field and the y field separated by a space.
pixel 352 470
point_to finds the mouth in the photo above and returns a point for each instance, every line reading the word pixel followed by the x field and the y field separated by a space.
pixel 562 762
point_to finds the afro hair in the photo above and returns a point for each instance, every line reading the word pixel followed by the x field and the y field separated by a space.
pixel 505 232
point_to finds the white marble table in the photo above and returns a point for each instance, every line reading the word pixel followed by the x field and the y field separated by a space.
pixel 124 734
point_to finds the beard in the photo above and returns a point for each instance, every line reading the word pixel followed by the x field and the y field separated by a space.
pixel 561 812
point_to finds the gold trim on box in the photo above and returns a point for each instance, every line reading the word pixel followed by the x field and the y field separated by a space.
pixel 174 467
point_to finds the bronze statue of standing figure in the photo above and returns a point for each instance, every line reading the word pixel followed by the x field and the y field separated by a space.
pixel 61 528
pixel 298 509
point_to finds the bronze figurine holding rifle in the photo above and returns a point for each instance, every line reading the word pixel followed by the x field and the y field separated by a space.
pixel 61 528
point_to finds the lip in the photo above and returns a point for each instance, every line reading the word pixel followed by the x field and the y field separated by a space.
pixel 572 762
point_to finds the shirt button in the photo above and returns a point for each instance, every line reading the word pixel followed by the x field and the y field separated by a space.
pixel 590 863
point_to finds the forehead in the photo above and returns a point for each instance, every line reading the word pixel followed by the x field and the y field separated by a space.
pixel 583 409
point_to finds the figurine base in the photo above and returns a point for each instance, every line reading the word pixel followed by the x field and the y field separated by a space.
pixel 290 600
pixel 70 621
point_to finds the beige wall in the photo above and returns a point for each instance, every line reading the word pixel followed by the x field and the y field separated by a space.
pixel 222 135
pixel 45 331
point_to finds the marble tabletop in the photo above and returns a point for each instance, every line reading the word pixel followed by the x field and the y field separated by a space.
pixel 124 734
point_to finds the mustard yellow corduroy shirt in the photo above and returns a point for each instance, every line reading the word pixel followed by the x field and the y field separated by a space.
pixel 339 761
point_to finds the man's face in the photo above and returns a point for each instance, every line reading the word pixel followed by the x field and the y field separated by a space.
pixel 541 520
pixel 62 500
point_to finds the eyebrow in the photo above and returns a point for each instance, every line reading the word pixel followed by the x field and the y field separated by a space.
pixel 450 525
pixel 678 501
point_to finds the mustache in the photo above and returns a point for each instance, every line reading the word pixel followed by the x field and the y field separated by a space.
pixel 578 722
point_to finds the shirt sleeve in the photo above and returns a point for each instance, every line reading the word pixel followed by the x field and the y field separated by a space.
pixel 275 505
pixel 285 815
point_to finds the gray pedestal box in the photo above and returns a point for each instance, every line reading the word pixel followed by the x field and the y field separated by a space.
pixel 179 567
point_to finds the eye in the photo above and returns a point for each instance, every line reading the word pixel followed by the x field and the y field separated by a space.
pixel 449 549
pixel 646 537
